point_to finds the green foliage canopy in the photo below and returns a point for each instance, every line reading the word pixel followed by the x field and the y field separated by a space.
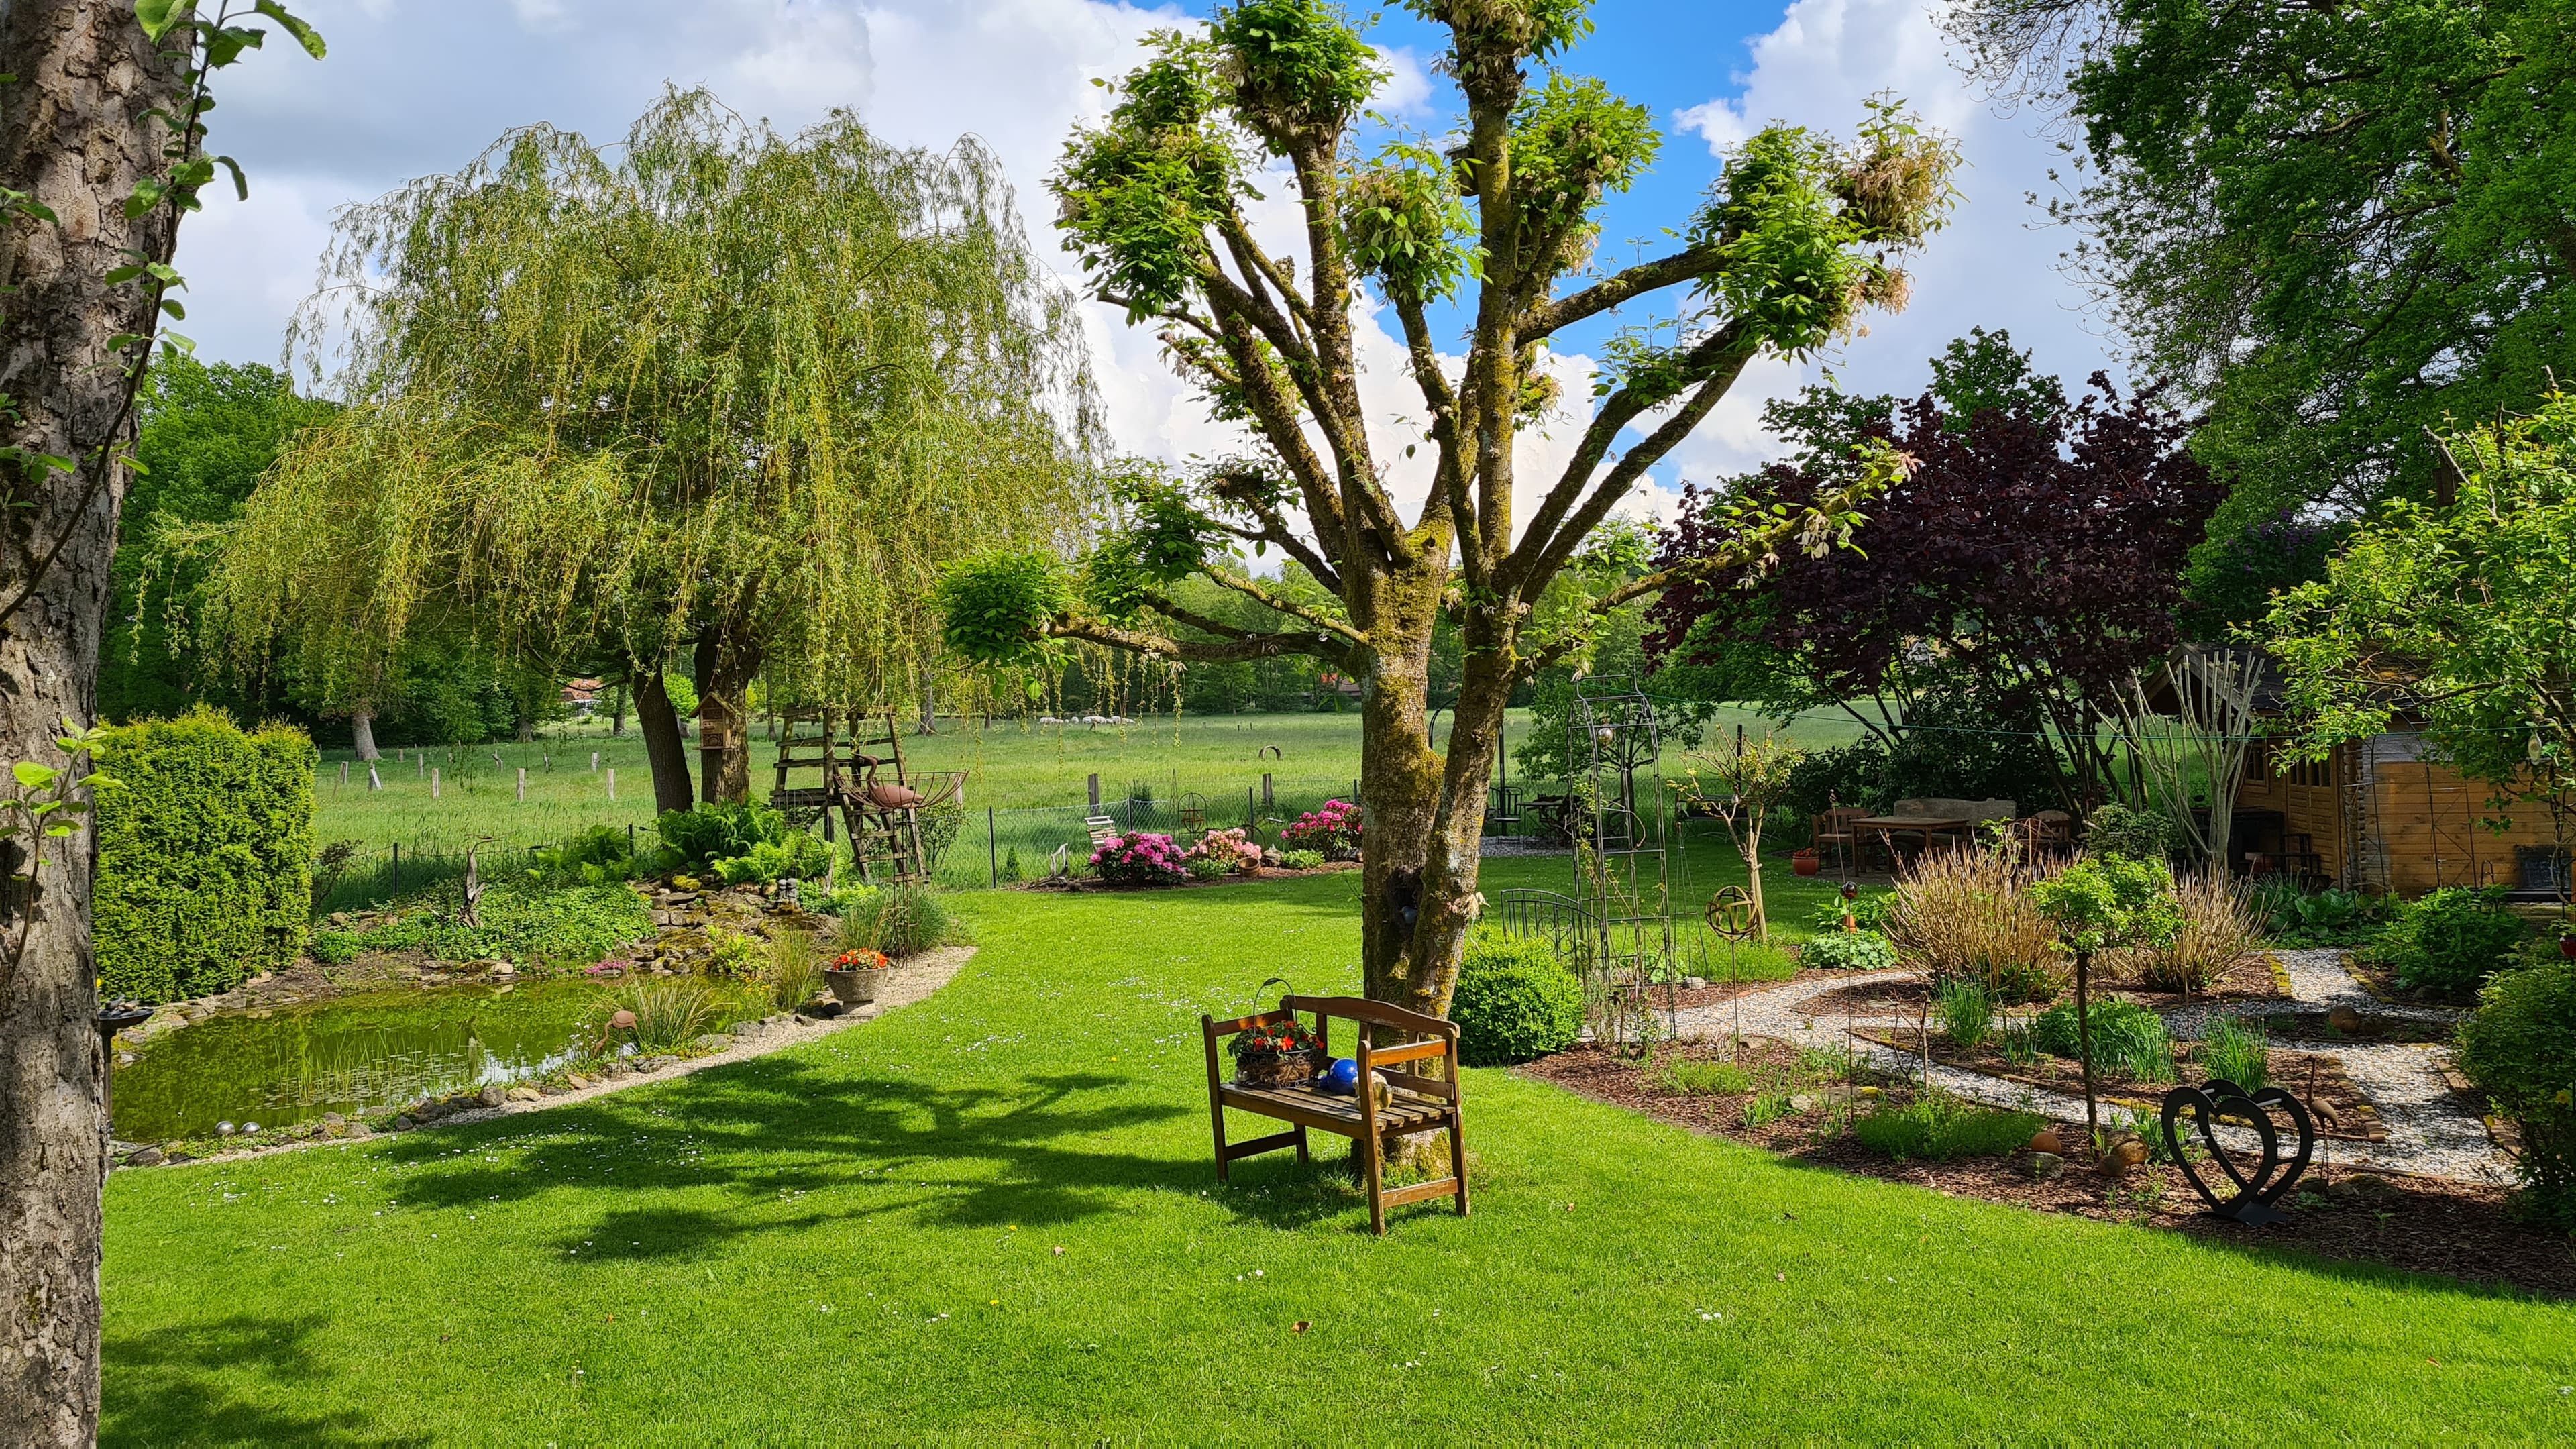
pixel 713 379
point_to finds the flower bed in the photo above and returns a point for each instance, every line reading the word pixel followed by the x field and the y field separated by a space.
pixel 1140 858
pixel 1334 830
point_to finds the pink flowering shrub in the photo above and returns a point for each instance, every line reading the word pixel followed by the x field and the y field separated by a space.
pixel 1140 858
pixel 1334 830
pixel 1231 850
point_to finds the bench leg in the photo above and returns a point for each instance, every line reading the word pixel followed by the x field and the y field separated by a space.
pixel 1302 1155
pixel 1373 1156
pixel 1216 1113
pixel 1458 1158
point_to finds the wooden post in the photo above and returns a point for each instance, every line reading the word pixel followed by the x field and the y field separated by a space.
pixel 344 774
pixel 419 762
pixel 2084 1041
pixel 374 780
pixel 398 867
pixel 993 846
pixel 594 762
pixel 1269 796
pixel 1095 794
pixel 523 784
pixel 612 790
pixel 433 784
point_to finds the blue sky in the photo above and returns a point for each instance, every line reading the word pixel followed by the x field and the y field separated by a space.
pixel 417 86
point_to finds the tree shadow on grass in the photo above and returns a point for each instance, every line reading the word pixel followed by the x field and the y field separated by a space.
pixel 799 1147
pixel 173 1384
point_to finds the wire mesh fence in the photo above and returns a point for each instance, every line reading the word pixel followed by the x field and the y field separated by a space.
pixel 970 847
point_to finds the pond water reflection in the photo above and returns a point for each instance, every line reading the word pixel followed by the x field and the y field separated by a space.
pixel 363 1053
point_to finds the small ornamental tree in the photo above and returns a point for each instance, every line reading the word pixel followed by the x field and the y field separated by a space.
pixel 1793 242
pixel 2098 904
pixel 1743 788
pixel 2456 614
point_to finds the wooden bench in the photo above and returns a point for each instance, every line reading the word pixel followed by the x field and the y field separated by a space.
pixel 1415 1103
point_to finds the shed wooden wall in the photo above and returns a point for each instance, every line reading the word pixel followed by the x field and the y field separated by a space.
pixel 2386 818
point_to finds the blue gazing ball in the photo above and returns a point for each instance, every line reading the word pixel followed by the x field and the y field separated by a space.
pixel 1342 1078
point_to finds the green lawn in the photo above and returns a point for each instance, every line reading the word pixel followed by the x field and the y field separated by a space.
pixel 1010 764
pixel 855 1241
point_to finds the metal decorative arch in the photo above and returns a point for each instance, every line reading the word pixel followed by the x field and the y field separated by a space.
pixel 1620 821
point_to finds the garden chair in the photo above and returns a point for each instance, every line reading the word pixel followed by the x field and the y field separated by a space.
pixel 1833 831
pixel 1415 1103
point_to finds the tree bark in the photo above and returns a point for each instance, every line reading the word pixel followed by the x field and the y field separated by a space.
pixel 362 733
pixel 664 751
pixel 527 731
pixel 74 134
pixel 725 666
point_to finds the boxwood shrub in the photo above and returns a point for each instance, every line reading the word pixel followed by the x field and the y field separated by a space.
pixel 2519 1047
pixel 205 856
pixel 1514 1001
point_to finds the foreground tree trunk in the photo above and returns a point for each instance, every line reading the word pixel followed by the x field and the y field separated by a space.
pixel 668 755
pixel 72 134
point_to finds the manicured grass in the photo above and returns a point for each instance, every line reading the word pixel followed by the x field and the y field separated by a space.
pixel 855 1241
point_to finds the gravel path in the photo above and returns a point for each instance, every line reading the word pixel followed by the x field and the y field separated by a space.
pixel 2430 1130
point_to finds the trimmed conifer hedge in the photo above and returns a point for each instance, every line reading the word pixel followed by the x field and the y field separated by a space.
pixel 205 856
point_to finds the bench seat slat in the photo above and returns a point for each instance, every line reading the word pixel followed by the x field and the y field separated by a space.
pixel 1330 1113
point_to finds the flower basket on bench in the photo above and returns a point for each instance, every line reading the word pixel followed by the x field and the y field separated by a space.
pixel 1275 1054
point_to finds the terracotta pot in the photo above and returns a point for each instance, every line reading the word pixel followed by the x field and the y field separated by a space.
pixel 1807 862
pixel 856 986
pixel 1273 1069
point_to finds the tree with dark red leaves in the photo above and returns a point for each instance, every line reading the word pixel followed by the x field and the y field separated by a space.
pixel 2033 559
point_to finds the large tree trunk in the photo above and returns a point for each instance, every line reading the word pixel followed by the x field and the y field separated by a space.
pixel 664 751
pixel 75 133
pixel 362 733
pixel 725 666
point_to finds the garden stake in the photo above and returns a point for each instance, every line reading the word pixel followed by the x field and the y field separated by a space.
pixel 2084 1043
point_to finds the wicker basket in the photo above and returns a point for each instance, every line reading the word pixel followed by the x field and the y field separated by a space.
pixel 1273 1069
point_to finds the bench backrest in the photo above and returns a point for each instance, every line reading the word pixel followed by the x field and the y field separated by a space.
pixel 1374 1013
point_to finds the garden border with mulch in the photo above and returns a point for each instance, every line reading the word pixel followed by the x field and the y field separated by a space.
pixel 2458 1230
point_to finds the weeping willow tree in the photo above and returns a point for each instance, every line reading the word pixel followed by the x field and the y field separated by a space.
pixel 726 397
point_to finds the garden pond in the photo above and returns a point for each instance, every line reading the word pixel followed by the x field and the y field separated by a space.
pixel 367 1053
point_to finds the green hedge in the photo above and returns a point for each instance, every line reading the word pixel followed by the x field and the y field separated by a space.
pixel 205 856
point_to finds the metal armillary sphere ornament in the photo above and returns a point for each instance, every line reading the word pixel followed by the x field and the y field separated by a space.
pixel 1730 914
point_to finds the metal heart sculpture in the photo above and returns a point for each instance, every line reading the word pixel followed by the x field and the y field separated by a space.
pixel 2255 1195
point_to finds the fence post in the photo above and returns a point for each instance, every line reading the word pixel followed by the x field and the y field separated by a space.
pixel 433 783
pixel 374 780
pixel 1269 800
pixel 594 762
pixel 630 839
pixel 1095 794
pixel 612 793
pixel 397 867
pixel 1251 818
pixel 993 846
pixel 344 774
pixel 523 784
pixel 419 762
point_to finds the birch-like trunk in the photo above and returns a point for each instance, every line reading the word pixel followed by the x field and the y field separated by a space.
pixel 75 133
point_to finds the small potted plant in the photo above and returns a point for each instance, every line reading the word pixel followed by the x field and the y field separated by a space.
pixel 1279 1054
pixel 1807 862
pixel 855 975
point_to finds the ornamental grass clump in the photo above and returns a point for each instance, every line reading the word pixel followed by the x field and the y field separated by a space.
pixel 2237 1050
pixel 1967 1013
pixel 795 975
pixel 668 1014
pixel 1701 1079
pixel 1940 1127
pixel 1969 914
pixel 2220 927
pixel 901 921
pixel 1140 858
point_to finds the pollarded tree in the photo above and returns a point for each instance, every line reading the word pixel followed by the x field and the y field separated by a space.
pixel 724 395
pixel 1793 241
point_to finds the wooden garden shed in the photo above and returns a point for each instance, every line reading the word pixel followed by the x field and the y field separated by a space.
pixel 2377 815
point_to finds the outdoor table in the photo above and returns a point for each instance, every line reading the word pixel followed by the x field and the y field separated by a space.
pixel 1888 827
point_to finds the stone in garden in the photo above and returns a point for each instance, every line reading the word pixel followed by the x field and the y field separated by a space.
pixel 179 1157
pixel 2360 1187
pixel 403 1122
pixel 1801 1102
pixel 522 1094
pixel 335 1129
pixel 332 1119
pixel 2046 1165
pixel 1694 983
pixel 148 1157
pixel 361 1129
pixel 2045 1141
pixel 2124 1156
pixel 493 1095
pixel 2344 1019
